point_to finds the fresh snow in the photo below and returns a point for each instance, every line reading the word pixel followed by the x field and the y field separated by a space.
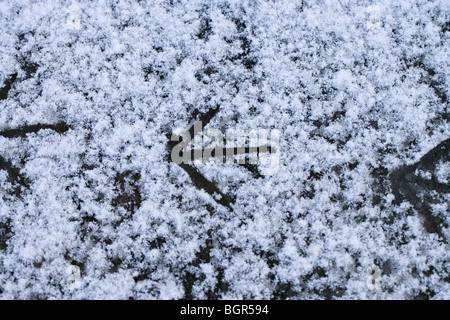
pixel 354 100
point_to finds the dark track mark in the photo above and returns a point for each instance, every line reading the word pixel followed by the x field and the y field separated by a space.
pixel 60 127
pixel 202 183
pixel 15 177
pixel 197 178
pixel 205 118
pixel 252 168
pixel 8 84
pixel 407 186
pixel 5 233
pixel 30 68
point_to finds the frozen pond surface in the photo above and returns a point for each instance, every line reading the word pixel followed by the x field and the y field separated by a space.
pixel 90 94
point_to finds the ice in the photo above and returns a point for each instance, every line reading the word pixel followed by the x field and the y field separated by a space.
pixel 360 99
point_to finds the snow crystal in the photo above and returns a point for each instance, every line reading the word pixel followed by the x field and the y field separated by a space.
pixel 90 93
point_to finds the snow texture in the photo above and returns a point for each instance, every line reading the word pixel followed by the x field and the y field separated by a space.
pixel 87 107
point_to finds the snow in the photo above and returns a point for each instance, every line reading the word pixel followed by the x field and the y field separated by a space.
pixel 354 97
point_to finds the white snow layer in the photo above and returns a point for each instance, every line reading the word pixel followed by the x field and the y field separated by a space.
pixel 352 97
